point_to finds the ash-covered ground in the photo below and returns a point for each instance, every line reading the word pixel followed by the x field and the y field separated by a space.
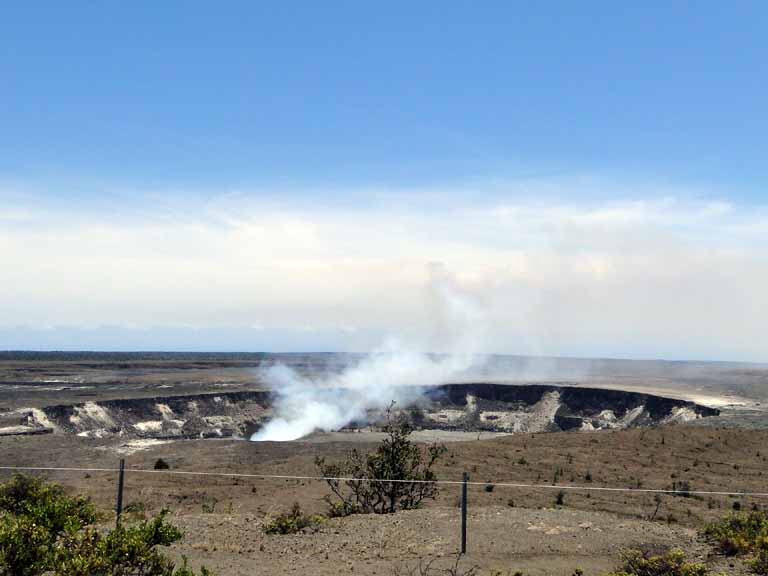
pixel 630 424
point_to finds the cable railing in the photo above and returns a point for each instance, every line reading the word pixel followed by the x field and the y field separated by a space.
pixel 496 483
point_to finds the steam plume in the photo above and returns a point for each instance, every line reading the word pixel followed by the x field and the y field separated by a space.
pixel 391 373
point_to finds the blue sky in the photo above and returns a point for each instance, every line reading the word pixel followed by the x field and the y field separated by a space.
pixel 150 125
pixel 149 93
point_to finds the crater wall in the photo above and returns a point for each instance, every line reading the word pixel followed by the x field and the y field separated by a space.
pixel 465 407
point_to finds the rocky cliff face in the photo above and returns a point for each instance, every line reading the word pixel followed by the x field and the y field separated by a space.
pixel 468 407
pixel 194 416
pixel 543 408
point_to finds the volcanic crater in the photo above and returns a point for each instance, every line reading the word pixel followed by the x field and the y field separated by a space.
pixel 466 407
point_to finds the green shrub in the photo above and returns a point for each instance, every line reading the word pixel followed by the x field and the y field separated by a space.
pixel 32 516
pixel 161 464
pixel 44 531
pixel 396 476
pixel 45 504
pixel 135 507
pixel 759 563
pixel 673 563
pixel 293 521
pixel 739 533
pixel 341 509
pixel 209 505
pixel 24 546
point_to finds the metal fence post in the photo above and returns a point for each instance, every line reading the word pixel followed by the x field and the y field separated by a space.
pixel 464 513
pixel 120 483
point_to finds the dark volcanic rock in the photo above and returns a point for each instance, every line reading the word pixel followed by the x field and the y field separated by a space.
pixel 473 406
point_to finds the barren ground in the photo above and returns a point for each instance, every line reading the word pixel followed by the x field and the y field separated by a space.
pixel 510 528
pixel 518 528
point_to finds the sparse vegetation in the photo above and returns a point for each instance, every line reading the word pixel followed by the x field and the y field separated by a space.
pixel 633 563
pixel 673 563
pixel 209 505
pixel 426 568
pixel 739 533
pixel 658 501
pixel 759 563
pixel 398 475
pixel 161 464
pixel 682 488
pixel 45 531
pixel 134 507
pixel 293 521
pixel 498 535
pixel 743 535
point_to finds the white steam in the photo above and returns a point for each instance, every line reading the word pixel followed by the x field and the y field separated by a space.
pixel 391 373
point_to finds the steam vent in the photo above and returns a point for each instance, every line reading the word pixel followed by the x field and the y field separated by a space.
pixel 450 407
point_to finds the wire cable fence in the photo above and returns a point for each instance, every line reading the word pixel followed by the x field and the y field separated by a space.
pixel 480 521
pixel 501 484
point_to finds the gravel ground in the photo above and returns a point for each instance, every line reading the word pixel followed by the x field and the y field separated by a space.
pixel 548 541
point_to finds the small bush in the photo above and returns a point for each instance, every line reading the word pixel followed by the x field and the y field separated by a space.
pixel 673 563
pixel 759 563
pixel 343 509
pixel 398 475
pixel 293 521
pixel 209 505
pixel 135 508
pixel 560 498
pixel 739 533
pixel 489 487
pixel 161 464
pixel 45 531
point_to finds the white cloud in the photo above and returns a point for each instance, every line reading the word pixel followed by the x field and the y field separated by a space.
pixel 660 277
